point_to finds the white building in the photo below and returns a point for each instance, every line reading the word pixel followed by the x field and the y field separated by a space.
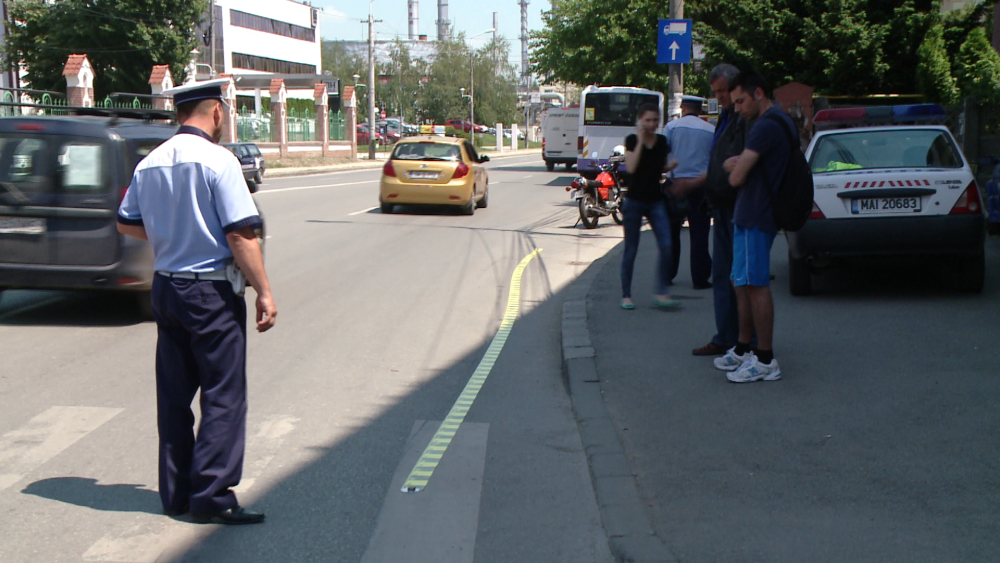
pixel 263 36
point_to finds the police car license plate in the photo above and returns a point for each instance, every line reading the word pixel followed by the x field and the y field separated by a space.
pixel 424 175
pixel 22 226
pixel 880 205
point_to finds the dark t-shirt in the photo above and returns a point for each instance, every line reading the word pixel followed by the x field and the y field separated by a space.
pixel 644 183
pixel 753 203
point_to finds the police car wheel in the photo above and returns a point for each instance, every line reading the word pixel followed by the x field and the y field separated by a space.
pixel 972 273
pixel 799 276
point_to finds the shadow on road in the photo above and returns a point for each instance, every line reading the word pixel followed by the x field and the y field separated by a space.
pixel 89 493
pixel 69 308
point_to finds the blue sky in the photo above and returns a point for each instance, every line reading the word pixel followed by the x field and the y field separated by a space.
pixel 341 18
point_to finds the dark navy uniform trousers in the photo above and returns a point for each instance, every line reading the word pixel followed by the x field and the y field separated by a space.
pixel 700 225
pixel 201 343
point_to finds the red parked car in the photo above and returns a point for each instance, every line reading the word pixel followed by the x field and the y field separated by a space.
pixel 459 124
pixel 363 135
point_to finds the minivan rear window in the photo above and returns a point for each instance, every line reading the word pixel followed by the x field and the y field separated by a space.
pixel 46 164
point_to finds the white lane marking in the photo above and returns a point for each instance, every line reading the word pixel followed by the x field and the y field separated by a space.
pixel 319 187
pixel 166 540
pixel 362 211
pixel 440 523
pixel 526 177
pixel 46 436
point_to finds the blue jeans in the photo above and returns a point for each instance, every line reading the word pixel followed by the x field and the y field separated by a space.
pixel 726 318
pixel 656 212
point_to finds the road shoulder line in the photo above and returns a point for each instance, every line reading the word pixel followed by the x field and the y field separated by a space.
pixel 626 522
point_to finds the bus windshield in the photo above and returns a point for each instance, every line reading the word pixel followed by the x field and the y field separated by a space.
pixel 615 109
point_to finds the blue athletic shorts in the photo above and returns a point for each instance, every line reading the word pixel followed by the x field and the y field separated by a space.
pixel 751 257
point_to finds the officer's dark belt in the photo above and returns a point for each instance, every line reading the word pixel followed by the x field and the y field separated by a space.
pixel 217 275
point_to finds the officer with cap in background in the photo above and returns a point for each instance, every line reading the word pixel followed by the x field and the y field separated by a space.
pixel 690 139
pixel 189 200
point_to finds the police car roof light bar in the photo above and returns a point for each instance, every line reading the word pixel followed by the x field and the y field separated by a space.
pixel 878 115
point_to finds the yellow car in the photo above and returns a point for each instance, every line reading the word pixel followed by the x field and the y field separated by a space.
pixel 431 170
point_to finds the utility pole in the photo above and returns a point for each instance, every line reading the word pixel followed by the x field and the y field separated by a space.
pixel 211 34
pixel 371 21
pixel 676 76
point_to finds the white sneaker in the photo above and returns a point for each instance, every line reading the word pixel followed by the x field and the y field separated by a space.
pixel 753 370
pixel 731 361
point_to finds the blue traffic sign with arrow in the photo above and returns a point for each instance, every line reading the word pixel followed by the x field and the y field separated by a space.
pixel 673 42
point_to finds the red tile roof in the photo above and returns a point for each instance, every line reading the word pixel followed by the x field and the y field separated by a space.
pixel 73 64
pixel 159 73
pixel 276 84
pixel 348 92
pixel 319 90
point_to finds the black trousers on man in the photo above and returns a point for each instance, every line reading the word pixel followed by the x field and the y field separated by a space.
pixel 201 343
pixel 699 227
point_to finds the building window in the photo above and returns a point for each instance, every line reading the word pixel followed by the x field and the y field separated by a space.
pixel 267 25
pixel 264 64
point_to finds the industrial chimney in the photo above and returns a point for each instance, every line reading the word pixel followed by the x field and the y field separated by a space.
pixel 414 20
pixel 442 22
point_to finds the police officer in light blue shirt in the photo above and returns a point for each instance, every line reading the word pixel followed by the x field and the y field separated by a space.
pixel 690 139
pixel 189 200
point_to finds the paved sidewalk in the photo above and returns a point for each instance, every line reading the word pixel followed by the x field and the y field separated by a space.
pixel 852 456
pixel 365 164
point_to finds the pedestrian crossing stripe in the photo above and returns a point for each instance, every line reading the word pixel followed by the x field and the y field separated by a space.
pixel 425 466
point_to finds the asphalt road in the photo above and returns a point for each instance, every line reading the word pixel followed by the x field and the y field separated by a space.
pixel 382 321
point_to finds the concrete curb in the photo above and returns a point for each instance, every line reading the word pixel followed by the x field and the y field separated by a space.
pixel 365 164
pixel 626 522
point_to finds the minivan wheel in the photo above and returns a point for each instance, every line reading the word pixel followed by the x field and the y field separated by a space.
pixel 144 304
pixel 550 166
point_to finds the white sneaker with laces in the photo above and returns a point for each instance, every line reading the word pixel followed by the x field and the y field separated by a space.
pixel 731 361
pixel 753 370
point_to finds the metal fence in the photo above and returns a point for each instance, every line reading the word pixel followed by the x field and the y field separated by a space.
pixel 301 125
pixel 20 101
pixel 254 128
pixel 338 127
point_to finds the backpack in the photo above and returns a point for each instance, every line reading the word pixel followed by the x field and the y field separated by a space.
pixel 793 202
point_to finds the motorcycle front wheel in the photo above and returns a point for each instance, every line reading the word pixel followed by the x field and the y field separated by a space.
pixel 587 214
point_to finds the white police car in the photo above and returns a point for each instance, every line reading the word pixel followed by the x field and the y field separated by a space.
pixel 889 181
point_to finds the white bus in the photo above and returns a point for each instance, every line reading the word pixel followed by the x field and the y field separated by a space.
pixel 608 115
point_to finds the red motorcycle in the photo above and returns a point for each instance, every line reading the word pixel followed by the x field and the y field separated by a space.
pixel 601 196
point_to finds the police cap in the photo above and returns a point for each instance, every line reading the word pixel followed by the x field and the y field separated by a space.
pixel 197 91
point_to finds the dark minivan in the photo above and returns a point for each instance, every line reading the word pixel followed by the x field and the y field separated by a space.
pixel 61 182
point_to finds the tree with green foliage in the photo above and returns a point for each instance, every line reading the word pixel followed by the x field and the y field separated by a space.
pixel 123 39
pixel 837 46
pixel 934 79
pixel 611 42
pixel 496 84
pixel 978 68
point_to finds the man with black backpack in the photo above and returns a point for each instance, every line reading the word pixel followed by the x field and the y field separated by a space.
pixel 758 173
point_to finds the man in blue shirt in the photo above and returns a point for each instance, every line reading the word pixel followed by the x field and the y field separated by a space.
pixel 690 140
pixel 189 200
pixel 757 172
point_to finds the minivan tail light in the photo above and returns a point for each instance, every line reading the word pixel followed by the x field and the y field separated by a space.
pixel 388 169
pixel 461 171
pixel 816 213
pixel 969 202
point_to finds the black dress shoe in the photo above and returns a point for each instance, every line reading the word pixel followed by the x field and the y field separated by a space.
pixel 174 512
pixel 705 285
pixel 234 516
